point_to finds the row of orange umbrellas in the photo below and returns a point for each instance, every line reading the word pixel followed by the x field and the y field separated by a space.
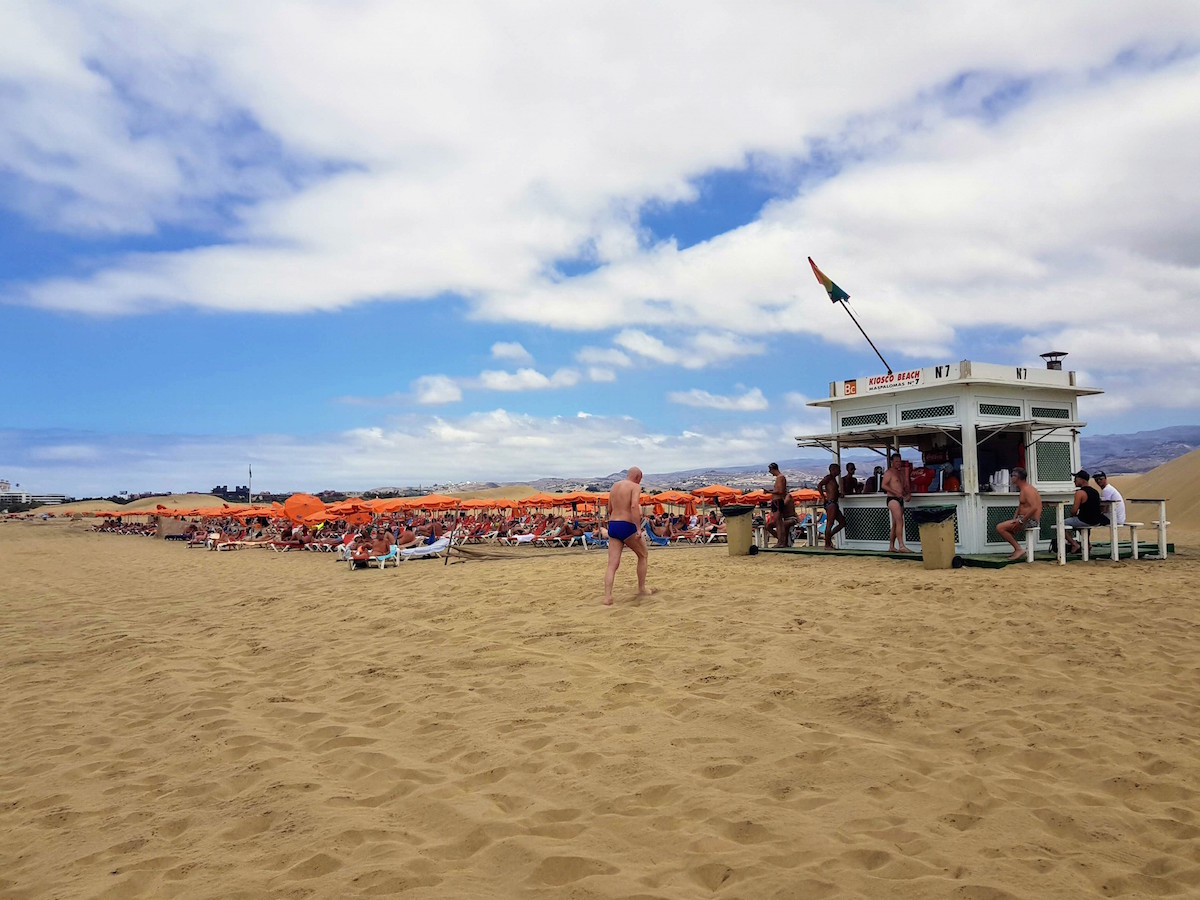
pixel 306 508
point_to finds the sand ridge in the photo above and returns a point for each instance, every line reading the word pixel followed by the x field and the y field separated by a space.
pixel 190 724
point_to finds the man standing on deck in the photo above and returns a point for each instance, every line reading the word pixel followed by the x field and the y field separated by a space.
pixel 779 507
pixel 850 482
pixel 898 490
pixel 830 489
pixel 624 530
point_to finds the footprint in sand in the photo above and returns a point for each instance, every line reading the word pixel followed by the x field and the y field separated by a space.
pixel 559 870
pixel 720 771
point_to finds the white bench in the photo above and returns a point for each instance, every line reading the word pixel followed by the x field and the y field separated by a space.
pixel 1114 529
pixel 1085 532
pixel 1160 523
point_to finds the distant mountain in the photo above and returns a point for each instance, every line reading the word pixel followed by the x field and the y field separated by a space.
pixel 1129 453
pixel 1126 453
pixel 1140 451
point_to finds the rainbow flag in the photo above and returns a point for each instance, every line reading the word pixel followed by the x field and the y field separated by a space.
pixel 835 292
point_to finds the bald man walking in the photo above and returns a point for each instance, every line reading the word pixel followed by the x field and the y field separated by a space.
pixel 625 530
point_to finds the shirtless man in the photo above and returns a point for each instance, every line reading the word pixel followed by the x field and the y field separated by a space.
pixel 830 489
pixel 364 546
pixel 1029 512
pixel 624 530
pixel 406 538
pixel 779 498
pixel 898 490
pixel 850 482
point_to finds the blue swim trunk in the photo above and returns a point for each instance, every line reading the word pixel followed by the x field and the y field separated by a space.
pixel 621 531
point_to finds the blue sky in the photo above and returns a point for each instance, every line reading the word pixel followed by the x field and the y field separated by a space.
pixel 379 245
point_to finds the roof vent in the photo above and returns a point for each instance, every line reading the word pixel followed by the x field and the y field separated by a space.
pixel 1054 360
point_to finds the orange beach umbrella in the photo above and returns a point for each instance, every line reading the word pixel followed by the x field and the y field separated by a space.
pixel 755 497
pixel 297 506
pixel 717 492
pixel 677 498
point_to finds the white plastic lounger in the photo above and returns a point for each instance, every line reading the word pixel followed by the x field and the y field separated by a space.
pixel 438 547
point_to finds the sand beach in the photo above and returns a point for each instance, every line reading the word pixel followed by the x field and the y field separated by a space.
pixel 181 723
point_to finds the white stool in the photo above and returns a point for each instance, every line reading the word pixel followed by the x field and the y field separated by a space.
pixel 1162 536
pixel 1160 524
pixel 1031 537
pixel 1084 535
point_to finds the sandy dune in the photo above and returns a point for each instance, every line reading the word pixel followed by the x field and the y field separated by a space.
pixel 505 492
pixel 1177 482
pixel 188 724
pixel 180 501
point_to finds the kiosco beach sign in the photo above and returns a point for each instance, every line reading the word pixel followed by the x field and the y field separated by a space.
pixel 894 380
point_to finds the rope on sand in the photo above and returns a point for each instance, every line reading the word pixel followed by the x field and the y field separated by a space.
pixel 495 551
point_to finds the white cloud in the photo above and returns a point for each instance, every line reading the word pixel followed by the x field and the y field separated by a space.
pixel 796 400
pixel 436 389
pixel 414 449
pixel 342 155
pixel 527 380
pixel 697 352
pixel 751 401
pixel 511 352
pixel 603 356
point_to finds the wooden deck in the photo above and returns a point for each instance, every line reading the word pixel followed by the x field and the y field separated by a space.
pixel 1101 552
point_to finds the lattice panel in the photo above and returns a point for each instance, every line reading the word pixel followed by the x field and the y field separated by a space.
pixel 873 523
pixel 998 409
pixel 927 412
pixel 876 418
pixel 1050 412
pixel 998 514
pixel 1053 461
pixel 867 523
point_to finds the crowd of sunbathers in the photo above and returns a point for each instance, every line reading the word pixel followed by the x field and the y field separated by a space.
pixel 366 542
pixel 116 526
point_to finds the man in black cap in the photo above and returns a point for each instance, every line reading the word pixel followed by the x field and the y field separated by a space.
pixel 1086 511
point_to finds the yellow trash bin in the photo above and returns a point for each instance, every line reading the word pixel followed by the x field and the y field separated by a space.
pixel 739 523
pixel 936 527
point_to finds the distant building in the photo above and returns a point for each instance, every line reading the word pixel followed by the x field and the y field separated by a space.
pixel 10 497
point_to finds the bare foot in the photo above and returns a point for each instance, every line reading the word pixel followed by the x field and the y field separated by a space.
pixel 608 601
pixel 1017 555
pixel 646 592
pixel 904 550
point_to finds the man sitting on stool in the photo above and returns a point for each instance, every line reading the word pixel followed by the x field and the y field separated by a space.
pixel 1110 495
pixel 1029 512
pixel 1086 511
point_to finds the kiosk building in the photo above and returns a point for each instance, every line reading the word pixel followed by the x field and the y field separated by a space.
pixel 961 428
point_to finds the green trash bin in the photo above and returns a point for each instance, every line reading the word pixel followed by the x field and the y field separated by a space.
pixel 739 523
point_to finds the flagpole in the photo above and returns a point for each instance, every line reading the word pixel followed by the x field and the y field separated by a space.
pixel 250 484
pixel 867 336
pixel 837 295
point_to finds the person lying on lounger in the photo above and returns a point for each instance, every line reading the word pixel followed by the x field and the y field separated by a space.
pixel 406 538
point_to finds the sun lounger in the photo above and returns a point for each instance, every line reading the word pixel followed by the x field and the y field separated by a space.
pixel 654 539
pixel 437 548
pixel 392 556
pixel 589 541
